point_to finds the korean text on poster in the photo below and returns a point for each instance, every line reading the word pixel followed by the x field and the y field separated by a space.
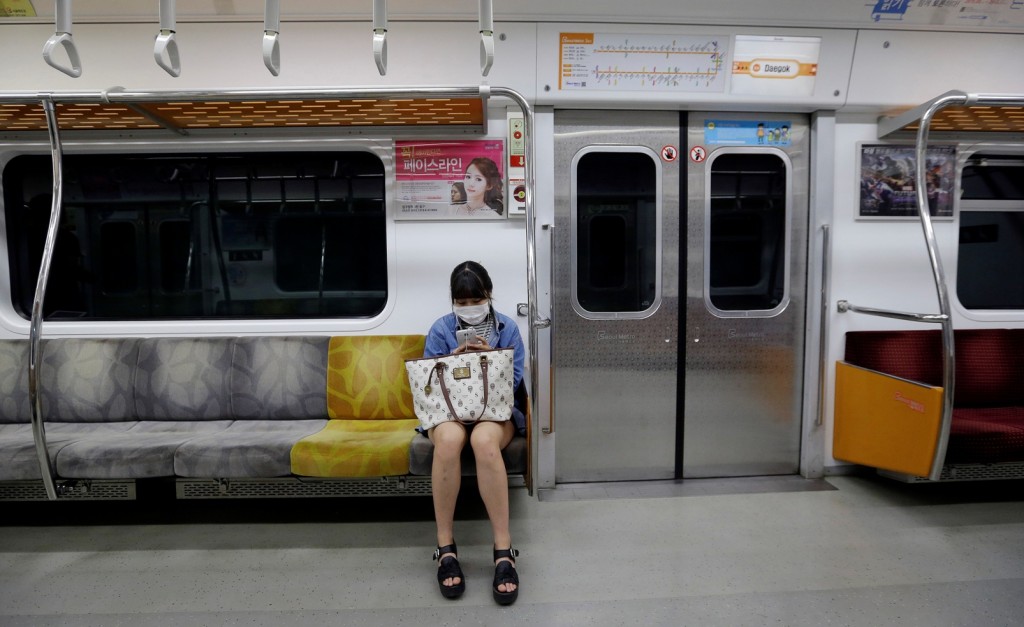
pixel 888 185
pixel 450 180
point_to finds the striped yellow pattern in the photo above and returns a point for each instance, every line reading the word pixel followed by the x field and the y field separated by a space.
pixel 366 376
pixel 356 448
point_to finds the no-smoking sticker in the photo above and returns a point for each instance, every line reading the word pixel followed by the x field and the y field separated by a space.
pixel 698 154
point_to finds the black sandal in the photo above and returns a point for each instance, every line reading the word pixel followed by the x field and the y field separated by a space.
pixel 448 568
pixel 505 573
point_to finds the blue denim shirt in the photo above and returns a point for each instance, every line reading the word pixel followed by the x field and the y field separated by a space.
pixel 441 341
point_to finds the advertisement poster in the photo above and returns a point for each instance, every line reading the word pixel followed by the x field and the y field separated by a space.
pixel 450 180
pixel 888 188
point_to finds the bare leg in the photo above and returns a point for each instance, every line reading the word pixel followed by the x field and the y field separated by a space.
pixel 487 439
pixel 445 479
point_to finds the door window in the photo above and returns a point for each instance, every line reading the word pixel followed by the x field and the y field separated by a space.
pixel 616 239
pixel 747 233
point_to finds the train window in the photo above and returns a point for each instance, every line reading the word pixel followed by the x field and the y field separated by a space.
pixel 145 237
pixel 616 239
pixel 747 233
pixel 991 249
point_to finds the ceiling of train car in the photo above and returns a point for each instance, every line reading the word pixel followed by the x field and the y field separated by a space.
pixel 468 113
pixel 960 15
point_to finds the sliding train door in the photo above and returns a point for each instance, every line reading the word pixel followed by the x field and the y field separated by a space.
pixel 616 306
pixel 747 213
pixel 648 385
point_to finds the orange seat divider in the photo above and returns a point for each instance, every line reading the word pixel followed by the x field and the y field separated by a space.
pixel 884 421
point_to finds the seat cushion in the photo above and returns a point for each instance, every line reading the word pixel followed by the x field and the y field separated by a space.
pixel 184 379
pixel 366 376
pixel 14 405
pixel 281 378
pixel 145 450
pixel 88 380
pixel 421 457
pixel 986 435
pixel 356 448
pixel 18 459
pixel 248 448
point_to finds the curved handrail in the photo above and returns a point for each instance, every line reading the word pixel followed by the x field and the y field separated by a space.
pixel 944 317
pixel 271 36
pixel 536 321
pixel 948 344
pixel 119 95
pixel 166 40
pixel 35 328
pixel 62 38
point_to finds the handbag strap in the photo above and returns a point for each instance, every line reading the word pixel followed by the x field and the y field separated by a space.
pixel 440 367
pixel 439 370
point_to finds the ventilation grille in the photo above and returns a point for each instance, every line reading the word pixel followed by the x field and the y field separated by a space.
pixel 84 490
pixel 967 472
pixel 287 487
pixel 361 112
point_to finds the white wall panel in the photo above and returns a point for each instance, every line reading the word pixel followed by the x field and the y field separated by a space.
pixel 904 69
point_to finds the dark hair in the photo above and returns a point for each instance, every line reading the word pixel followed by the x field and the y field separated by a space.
pixel 470 280
pixel 493 197
pixel 460 189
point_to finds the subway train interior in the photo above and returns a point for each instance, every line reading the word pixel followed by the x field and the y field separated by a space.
pixel 766 259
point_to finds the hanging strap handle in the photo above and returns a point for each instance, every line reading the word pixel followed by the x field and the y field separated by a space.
pixel 271 36
pixel 486 37
pixel 380 35
pixel 62 37
pixel 166 41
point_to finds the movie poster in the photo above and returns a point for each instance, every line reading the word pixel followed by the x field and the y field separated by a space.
pixel 888 186
pixel 450 180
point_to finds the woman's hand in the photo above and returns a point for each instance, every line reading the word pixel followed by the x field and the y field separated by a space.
pixel 477 345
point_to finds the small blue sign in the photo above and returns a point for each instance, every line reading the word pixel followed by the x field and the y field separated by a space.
pixel 890 10
pixel 747 132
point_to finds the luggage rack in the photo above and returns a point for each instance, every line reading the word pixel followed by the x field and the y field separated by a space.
pixel 952 112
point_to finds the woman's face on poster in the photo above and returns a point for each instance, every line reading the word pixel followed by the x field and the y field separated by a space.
pixel 476 184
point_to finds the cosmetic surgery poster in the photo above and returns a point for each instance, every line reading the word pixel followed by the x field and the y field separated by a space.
pixel 450 180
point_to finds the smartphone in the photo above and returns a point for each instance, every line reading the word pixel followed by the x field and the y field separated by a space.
pixel 465 336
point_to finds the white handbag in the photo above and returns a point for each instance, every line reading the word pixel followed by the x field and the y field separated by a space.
pixel 468 387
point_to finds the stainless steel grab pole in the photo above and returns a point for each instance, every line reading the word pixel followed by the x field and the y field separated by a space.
pixel 536 321
pixel 34 352
pixel 948 344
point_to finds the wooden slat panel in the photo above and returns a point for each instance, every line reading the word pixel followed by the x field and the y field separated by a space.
pixel 250 114
pixel 976 119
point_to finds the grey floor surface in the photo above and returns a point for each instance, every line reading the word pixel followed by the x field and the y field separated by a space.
pixel 785 551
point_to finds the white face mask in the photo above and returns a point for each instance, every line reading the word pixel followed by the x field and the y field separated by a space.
pixel 472 314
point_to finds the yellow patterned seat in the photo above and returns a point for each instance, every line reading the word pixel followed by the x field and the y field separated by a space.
pixel 371 410
pixel 356 448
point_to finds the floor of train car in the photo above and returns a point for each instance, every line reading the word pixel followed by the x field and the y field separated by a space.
pixel 849 550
